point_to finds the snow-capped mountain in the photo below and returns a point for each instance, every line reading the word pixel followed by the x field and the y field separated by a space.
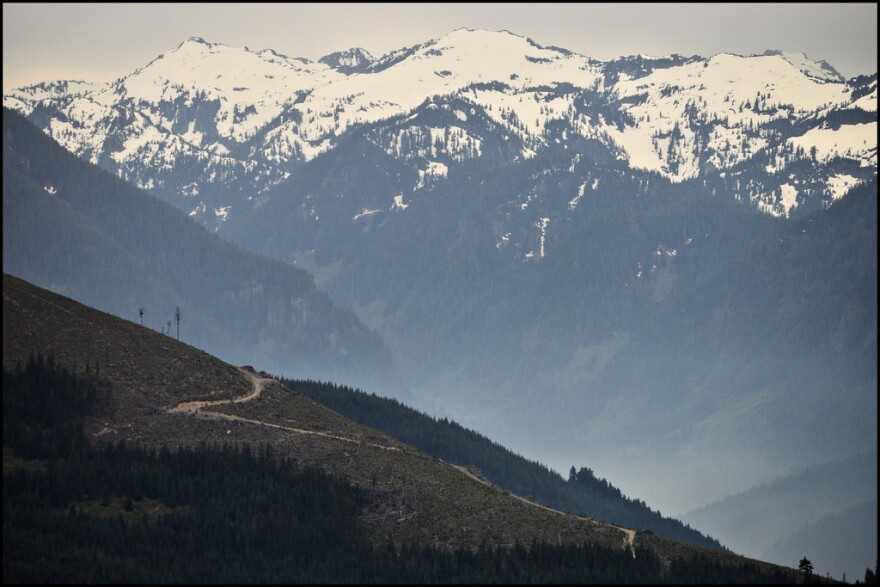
pixel 211 127
pixel 648 254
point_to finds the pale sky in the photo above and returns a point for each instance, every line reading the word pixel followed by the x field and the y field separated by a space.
pixel 101 42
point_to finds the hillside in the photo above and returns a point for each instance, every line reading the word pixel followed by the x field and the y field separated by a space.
pixel 583 493
pixel 147 374
pixel 155 391
pixel 75 229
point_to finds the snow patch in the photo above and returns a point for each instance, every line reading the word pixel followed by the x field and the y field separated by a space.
pixel 434 170
pixel 200 209
pixel 572 204
pixel 724 90
pixel 788 198
pixel 780 205
pixel 839 185
pixel 852 141
pixel 542 226
pixel 191 189
pixel 868 102
pixel 815 69
pixel 364 212
pixel 398 203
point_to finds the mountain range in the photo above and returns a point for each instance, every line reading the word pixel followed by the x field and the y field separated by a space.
pixel 211 127
pixel 661 266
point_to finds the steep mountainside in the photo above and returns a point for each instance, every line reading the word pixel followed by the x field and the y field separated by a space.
pixel 77 230
pixel 154 392
pixel 583 493
pixel 772 357
pixel 149 375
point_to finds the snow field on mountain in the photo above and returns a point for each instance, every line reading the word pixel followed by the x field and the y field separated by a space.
pixel 856 141
pixel 724 90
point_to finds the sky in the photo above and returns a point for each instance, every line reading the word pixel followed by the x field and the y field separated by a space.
pixel 102 42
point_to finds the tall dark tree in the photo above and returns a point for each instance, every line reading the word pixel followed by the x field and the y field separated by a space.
pixel 177 318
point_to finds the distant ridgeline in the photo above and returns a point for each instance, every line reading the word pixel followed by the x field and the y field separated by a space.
pixel 234 514
pixel 582 494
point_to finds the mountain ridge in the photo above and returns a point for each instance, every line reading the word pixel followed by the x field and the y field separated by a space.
pixel 277 110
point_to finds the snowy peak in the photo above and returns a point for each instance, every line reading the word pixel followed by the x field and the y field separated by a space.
pixel 468 56
pixel 247 89
pixel 195 41
pixel 214 64
pixel 197 119
pixel 476 49
pixel 496 42
pixel 819 70
pixel 354 60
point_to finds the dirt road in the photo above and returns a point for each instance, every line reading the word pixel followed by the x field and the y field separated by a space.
pixel 198 409
pixel 629 535
pixel 257 385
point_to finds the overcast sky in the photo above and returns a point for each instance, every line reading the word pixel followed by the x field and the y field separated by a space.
pixel 101 42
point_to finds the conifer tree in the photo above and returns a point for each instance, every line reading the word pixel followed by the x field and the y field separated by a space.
pixel 806 567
